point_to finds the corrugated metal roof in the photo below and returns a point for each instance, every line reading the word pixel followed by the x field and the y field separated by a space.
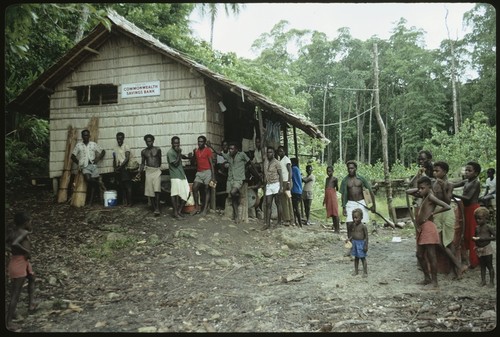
pixel 39 91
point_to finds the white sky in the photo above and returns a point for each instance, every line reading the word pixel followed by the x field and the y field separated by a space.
pixel 237 33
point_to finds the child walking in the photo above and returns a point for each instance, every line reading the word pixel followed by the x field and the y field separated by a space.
pixel 359 240
pixel 19 265
pixel 483 236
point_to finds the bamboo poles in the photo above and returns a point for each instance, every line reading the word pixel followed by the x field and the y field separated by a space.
pixel 62 195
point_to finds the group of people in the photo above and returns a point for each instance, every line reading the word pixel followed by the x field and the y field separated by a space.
pixel 284 184
pixel 436 222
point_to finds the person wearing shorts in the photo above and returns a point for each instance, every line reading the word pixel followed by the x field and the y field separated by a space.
pixel 204 175
pixel 274 185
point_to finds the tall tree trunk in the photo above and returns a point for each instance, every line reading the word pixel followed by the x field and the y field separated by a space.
pixel 383 131
pixel 83 22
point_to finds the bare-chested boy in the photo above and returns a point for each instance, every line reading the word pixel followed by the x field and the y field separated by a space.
pixel 19 265
pixel 427 233
pixel 359 240
pixel 151 163
pixel 483 237
pixel 445 222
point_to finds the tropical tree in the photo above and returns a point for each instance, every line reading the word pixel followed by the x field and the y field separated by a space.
pixel 212 9
pixel 479 94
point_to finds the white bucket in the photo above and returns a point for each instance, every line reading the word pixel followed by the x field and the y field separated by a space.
pixel 110 198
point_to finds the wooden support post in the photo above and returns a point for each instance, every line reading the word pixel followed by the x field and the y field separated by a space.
pixel 212 198
pixel 244 202
pixel 62 192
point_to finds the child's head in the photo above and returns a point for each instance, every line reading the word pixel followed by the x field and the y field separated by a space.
pixel 424 185
pixel 309 169
pixel 22 220
pixel 472 169
pixel 441 169
pixel 482 215
pixel 357 215
pixel 329 170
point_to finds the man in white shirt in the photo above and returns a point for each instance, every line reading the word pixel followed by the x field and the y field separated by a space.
pixel 491 188
pixel 84 155
pixel 286 196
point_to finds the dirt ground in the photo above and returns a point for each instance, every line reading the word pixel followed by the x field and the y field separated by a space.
pixel 120 269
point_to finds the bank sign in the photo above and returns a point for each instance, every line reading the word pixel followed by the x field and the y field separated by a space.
pixel 141 89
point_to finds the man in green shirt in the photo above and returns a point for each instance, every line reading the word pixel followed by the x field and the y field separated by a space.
pixel 238 162
pixel 179 190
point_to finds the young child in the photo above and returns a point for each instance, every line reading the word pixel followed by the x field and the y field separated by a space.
pixel 427 233
pixel 330 199
pixel 483 237
pixel 446 221
pixel 307 192
pixel 359 240
pixel 470 198
pixel 296 191
pixel 19 265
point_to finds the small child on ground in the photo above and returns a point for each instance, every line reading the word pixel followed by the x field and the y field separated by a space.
pixel 484 235
pixel 19 265
pixel 359 240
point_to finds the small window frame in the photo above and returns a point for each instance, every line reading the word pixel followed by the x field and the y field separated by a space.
pixel 96 94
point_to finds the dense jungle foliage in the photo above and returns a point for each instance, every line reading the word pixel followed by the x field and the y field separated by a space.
pixel 418 86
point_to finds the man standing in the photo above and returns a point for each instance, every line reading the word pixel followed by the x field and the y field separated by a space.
pixel 84 154
pixel 274 186
pixel 151 163
pixel 285 195
pixel 121 161
pixel 236 175
pixel 204 174
pixel 179 190
pixel 351 188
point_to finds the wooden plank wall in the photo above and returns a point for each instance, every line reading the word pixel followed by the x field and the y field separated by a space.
pixel 181 109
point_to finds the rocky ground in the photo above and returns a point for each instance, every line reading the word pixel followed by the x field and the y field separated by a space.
pixel 121 269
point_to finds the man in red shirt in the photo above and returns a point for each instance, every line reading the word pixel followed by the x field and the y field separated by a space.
pixel 204 174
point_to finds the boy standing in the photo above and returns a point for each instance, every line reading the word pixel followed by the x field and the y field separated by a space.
pixel 470 198
pixel 359 240
pixel 296 191
pixel 19 265
pixel 483 237
pixel 307 192
pixel 445 222
pixel 427 233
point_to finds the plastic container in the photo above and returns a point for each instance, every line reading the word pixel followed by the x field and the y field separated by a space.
pixel 110 198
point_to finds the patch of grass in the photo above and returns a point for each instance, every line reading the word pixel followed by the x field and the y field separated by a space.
pixel 108 248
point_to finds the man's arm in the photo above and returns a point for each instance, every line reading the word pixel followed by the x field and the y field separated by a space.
pixel 99 157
